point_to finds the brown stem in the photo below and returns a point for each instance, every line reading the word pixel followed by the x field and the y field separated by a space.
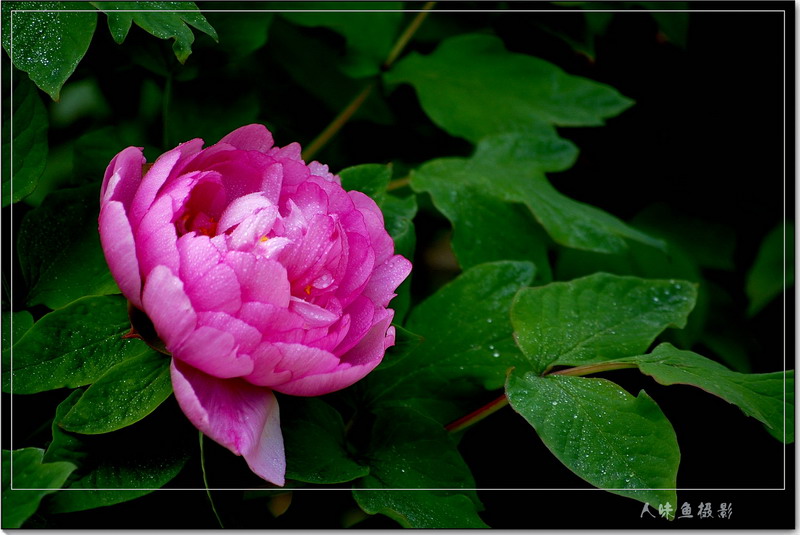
pixel 502 401
pixel 337 124
pixel 333 128
pixel 588 369
pixel 398 183
pixel 406 36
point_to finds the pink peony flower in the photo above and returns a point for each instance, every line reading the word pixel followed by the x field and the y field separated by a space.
pixel 258 272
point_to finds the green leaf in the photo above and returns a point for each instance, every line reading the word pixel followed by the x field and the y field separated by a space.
pixel 511 167
pixel 369 36
pixel 123 395
pixel 611 439
pixel 596 318
pixel 314 440
pixel 59 249
pixel 23 469
pixel 241 34
pixel 156 19
pixel 398 218
pixel 71 347
pixel 370 179
pixel 306 70
pixel 47 43
pixel 421 509
pixel 410 451
pixel 487 229
pixel 21 171
pixel 15 324
pixel 66 446
pixel 467 345
pixel 398 215
pixel 126 465
pixel 647 262
pixel 471 86
pixel 773 269
pixel 674 26
pixel 767 397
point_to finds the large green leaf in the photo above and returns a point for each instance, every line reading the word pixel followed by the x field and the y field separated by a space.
pixel 126 464
pixel 411 451
pixel 487 228
pixel 767 397
pixel 314 440
pixel 467 345
pixel 596 318
pixel 71 347
pixel 369 35
pixel 15 324
pixel 650 263
pixel 62 270
pixel 23 469
pixel 369 178
pixel 241 34
pixel 125 394
pixel 161 19
pixel 472 86
pixel 773 269
pixel 611 439
pixel 46 41
pixel 26 132
pixel 511 167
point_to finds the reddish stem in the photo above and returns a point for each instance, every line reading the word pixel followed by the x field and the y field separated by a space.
pixel 478 415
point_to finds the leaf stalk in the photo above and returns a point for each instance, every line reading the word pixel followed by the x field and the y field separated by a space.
pixel 347 113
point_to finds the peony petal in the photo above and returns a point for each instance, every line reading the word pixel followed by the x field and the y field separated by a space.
pixel 119 248
pixel 157 239
pixel 272 360
pixel 311 199
pixel 242 208
pixel 311 251
pixel 313 315
pixel 373 345
pixel 317 385
pixel 269 319
pixel 362 314
pixel 253 230
pixel 214 352
pixel 292 151
pixel 250 137
pixel 244 172
pixel 357 363
pixel 122 177
pixel 385 280
pixel 261 279
pixel 197 256
pixel 168 306
pixel 242 417
pixel 380 241
pixel 245 335
pixel 217 290
pixel 360 263
pixel 151 183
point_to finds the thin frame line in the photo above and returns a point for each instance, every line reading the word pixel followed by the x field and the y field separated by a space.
pixel 577 11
